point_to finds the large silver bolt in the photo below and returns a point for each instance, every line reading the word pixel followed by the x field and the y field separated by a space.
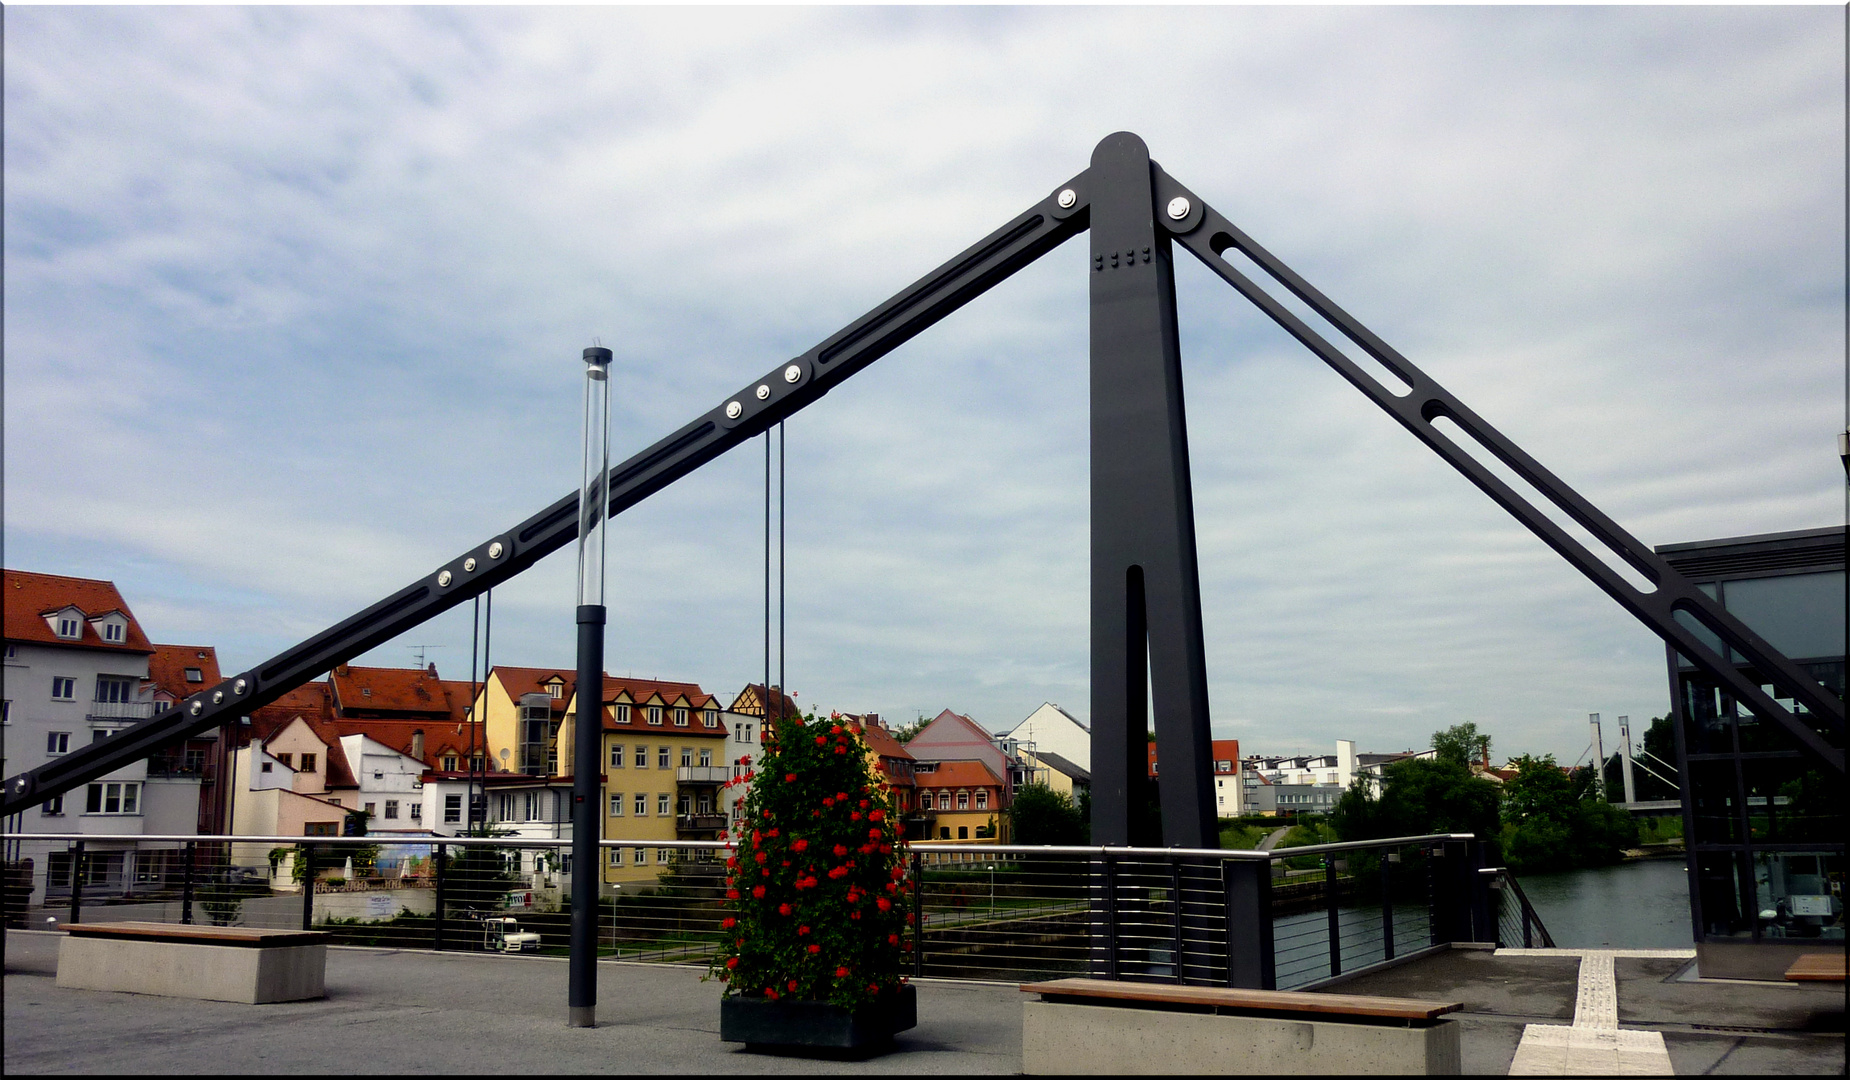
pixel 443 579
pixel 792 373
pixel 495 549
pixel 217 696
pixel 734 410
pixel 763 392
pixel 240 686
pixel 469 563
pixel 197 708
pixel 1068 198
pixel 1178 208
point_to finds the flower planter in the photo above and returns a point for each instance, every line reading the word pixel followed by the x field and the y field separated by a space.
pixel 816 1025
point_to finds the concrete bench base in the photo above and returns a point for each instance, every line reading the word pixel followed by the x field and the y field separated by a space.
pixel 1099 1039
pixel 185 969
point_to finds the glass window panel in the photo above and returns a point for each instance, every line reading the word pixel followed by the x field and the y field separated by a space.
pixel 1707 726
pixel 1789 801
pixel 1799 894
pixel 1801 615
pixel 1717 809
pixel 1718 880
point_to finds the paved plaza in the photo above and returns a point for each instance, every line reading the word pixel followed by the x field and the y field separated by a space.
pixel 390 1011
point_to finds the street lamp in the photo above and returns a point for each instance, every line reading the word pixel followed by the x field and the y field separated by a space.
pixel 593 514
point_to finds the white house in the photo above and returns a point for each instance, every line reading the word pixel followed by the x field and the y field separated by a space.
pixel 1052 730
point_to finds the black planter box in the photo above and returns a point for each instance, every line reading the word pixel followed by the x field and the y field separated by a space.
pixel 816 1025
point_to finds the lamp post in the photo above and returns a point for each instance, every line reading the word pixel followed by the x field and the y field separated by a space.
pixel 593 514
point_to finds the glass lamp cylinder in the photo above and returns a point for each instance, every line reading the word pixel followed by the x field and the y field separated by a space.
pixel 593 500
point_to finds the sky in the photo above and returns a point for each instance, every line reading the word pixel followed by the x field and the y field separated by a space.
pixel 295 300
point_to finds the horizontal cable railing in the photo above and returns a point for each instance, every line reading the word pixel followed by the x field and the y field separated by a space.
pixel 985 911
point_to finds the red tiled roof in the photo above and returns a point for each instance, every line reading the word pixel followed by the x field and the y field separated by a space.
pixel 789 705
pixel 168 666
pixel 309 701
pixel 882 742
pixel 517 681
pixel 398 690
pixel 29 597
pixel 958 774
pixel 640 692
pixel 1223 750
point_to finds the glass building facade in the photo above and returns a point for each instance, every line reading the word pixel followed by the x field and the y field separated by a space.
pixel 1764 822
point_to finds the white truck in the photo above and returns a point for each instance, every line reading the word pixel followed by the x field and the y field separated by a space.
pixel 501 933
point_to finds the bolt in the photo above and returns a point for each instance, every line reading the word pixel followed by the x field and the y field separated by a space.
pixel 1178 208
pixel 1068 198
pixel 443 579
pixel 469 563
pixel 494 550
pixel 198 707
pixel 763 391
pixel 217 696
pixel 734 410
pixel 240 686
pixel 792 373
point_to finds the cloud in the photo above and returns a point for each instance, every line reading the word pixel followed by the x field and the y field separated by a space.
pixel 295 299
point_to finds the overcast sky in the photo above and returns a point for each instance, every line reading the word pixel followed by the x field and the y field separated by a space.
pixel 295 300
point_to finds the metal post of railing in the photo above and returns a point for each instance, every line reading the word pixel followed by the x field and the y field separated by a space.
pixel 1332 898
pixel 436 922
pixel 1387 904
pixel 1528 939
pixel 77 882
pixel 1175 907
pixel 1248 892
pixel 186 887
pixel 308 886
pixel 1110 881
pixel 1483 923
pixel 918 915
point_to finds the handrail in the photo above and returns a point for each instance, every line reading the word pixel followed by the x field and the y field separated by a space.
pixel 364 841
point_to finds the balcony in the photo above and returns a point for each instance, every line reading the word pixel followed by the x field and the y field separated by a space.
pixel 700 823
pixel 120 710
pixel 703 774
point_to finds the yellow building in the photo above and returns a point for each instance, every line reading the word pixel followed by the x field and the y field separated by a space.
pixel 522 711
pixel 965 796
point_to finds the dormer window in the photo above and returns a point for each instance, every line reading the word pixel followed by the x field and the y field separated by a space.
pixel 196 675
pixel 680 717
pixel 555 690
pixel 68 624
pixel 623 714
pixel 366 691
pixel 655 714
pixel 710 718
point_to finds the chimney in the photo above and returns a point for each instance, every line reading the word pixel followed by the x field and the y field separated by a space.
pixel 417 745
pixel 433 669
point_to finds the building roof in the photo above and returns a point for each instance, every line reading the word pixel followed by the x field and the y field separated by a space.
pixel 958 774
pixel 29 597
pixel 882 742
pixel 519 681
pixel 169 668
pixel 953 736
pixel 388 690
pixel 749 702
pixel 1063 766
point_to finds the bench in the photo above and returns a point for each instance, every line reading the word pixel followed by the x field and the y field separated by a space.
pixel 213 963
pixel 1098 1026
pixel 1817 967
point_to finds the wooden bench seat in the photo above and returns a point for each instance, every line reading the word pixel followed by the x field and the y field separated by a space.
pixel 1100 1026
pixel 1817 967
pixel 214 963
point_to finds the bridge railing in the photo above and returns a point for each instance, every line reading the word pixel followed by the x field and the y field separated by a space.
pixel 1288 918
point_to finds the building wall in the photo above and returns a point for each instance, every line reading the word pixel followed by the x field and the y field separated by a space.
pixel 1051 730
pixel 652 782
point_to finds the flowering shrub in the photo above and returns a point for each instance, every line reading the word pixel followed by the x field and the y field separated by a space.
pixel 818 898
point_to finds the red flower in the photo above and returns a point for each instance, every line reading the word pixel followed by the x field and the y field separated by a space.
pixel 746 760
pixel 801 930
pixel 815 949
pixel 821 739
pixel 732 963
pixel 884 904
pixel 854 915
pixel 732 894
pixel 836 730
pixel 783 909
pixel 841 750
pixel 770 993
pixel 799 845
pixel 856 816
pixel 841 796
pixel 761 856
pixel 757 892
pixel 826 801
pixel 840 850
pixel 790 778
pixel 898 872
pixel 841 972
pixel 873 834
pixel 732 862
pixel 911 918
pixel 729 923
pixel 875 815
pixel 892 939
pixel 793 986
pixel 886 849
pixel 863 804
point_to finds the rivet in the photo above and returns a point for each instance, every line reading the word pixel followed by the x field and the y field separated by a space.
pixel 792 373
pixel 494 550
pixel 240 686
pixel 1178 208
pixel 734 410
pixel 443 579
pixel 197 708
pixel 1068 197
pixel 217 696
pixel 763 391
pixel 469 563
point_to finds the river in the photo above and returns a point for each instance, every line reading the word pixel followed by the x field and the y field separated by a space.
pixel 1632 905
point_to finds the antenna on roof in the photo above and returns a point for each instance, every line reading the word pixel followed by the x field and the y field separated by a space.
pixel 423 665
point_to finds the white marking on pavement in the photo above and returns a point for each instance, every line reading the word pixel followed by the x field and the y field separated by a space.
pixel 1594 1045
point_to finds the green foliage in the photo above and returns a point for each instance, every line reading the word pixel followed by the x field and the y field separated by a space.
pixel 1558 822
pixel 476 878
pixel 818 890
pixel 1042 815
pixel 1243 834
pixel 222 901
pixel 906 733
pixel 1461 744
pixel 1418 796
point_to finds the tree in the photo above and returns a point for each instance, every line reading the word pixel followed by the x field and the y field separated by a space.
pixel 906 733
pixel 1461 744
pixel 1418 797
pixel 1557 821
pixel 1042 815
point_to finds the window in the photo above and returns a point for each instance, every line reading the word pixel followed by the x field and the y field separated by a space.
pixel 112 631
pixel 616 805
pixel 963 800
pixel 944 800
pixel 308 763
pixel 687 757
pixel 97 735
pixel 680 717
pixel 748 733
pixel 963 832
pixel 114 799
pixel 319 828
pixel 709 717
pixel 54 806
pixel 449 763
pixel 623 714
pixel 684 805
pixel 504 806
pixel 706 758
pixel 417 811
pixel 642 806
pixel 366 691
pixel 536 806
pixel 616 755
pixel 391 809
pixel 661 806
pixel 944 832
pixel 63 689
pixel 288 760
pixel 452 809
pixel 642 856
pixel 69 627
pixel 982 800
pixel 57 742
pixel 265 767
pixel 555 690
pixel 655 714
pixel 661 757
pixel 642 756
pixel 616 856
pixel 194 674
pixel 371 809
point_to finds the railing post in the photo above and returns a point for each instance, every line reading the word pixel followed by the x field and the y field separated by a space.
pixel 1522 905
pixel 1175 907
pixel 1483 922
pixel 1450 893
pixel 436 924
pixel 77 882
pixel 1332 899
pixel 1110 882
pixel 918 915
pixel 1388 858
pixel 1248 921
pixel 308 886
pixel 186 886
